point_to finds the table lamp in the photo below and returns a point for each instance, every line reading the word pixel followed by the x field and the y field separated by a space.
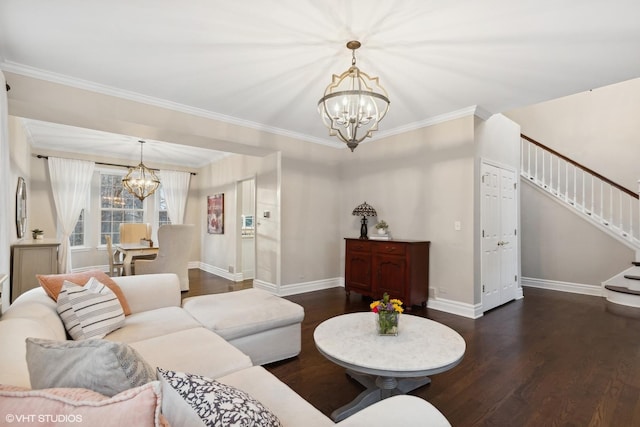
pixel 364 210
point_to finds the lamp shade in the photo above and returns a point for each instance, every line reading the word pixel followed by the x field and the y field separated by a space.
pixel 364 210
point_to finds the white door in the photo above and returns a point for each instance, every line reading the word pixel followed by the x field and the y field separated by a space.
pixel 499 236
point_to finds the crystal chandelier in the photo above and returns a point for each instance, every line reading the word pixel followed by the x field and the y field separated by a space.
pixel 141 181
pixel 353 104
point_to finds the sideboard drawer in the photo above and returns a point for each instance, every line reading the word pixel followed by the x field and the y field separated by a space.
pixel 390 248
pixel 358 246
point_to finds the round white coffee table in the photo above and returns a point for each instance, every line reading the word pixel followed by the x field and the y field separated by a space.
pixel 387 365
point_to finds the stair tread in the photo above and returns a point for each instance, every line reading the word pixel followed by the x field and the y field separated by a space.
pixel 631 276
pixel 622 289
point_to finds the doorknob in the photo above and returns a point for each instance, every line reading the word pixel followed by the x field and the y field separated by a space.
pixel 501 243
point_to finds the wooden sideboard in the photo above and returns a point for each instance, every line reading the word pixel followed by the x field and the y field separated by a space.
pixel 32 257
pixel 398 267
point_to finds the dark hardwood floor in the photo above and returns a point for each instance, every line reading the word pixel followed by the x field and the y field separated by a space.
pixel 551 359
pixel 203 283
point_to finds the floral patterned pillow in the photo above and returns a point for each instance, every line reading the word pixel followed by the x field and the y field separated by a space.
pixel 215 403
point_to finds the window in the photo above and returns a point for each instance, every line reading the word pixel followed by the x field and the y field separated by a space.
pixel 116 206
pixel 77 236
pixel 163 214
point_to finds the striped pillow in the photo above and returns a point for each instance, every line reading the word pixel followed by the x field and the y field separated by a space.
pixel 89 311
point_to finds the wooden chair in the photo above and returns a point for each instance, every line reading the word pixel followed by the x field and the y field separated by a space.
pixel 173 256
pixel 115 263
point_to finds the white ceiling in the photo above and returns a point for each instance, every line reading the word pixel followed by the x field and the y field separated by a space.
pixel 265 63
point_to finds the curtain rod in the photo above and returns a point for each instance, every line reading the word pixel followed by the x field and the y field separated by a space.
pixel 40 156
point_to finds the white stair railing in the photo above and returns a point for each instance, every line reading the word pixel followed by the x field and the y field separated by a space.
pixel 608 205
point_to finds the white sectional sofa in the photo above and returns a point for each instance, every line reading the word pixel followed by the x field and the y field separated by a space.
pixel 167 336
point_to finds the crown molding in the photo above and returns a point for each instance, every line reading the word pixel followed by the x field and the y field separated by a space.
pixel 473 110
pixel 482 113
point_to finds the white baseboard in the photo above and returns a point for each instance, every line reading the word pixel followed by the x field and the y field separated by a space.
pixel 472 311
pixel 554 285
pixel 299 288
pixel 235 277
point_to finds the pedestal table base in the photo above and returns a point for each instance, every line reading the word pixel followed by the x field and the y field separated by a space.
pixel 377 388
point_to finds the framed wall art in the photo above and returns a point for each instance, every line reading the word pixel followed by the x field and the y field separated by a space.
pixel 215 214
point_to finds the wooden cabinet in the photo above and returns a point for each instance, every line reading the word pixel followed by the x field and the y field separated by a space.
pixel 400 268
pixel 30 258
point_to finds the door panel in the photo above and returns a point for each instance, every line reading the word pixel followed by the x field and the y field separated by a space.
pixel 390 275
pixel 358 270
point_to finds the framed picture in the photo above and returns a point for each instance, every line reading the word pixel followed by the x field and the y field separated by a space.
pixel 215 214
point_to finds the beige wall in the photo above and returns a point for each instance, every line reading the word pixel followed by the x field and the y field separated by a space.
pixel 558 245
pixel 310 221
pixel 20 166
pixel 598 129
pixel 419 182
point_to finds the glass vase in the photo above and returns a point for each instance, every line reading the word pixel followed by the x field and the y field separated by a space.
pixel 387 323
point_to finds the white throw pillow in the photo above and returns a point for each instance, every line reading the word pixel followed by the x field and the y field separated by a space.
pixel 89 311
pixel 190 399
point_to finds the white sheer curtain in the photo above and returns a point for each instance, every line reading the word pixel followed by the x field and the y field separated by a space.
pixel 176 188
pixel 6 214
pixel 70 183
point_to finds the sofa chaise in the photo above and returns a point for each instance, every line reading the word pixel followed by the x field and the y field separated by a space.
pixel 167 336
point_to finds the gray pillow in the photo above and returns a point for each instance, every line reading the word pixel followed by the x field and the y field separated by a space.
pixel 102 366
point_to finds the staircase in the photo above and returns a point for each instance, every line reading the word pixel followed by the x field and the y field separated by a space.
pixel 607 205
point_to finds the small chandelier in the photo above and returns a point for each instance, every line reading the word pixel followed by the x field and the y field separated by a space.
pixel 141 181
pixel 353 104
